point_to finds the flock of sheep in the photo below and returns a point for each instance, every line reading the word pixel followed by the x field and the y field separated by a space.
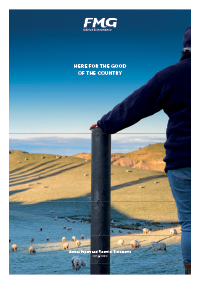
pixel 155 246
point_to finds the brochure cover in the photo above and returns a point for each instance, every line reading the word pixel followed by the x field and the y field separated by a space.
pixel 100 141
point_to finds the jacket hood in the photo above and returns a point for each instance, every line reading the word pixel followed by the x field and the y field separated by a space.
pixel 187 38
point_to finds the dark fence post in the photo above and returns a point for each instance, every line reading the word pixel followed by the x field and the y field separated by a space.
pixel 100 202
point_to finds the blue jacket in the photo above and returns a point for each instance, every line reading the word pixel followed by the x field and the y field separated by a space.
pixel 170 90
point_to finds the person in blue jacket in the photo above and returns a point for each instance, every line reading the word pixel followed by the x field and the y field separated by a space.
pixel 170 90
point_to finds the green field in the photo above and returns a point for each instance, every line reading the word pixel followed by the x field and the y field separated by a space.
pixel 134 194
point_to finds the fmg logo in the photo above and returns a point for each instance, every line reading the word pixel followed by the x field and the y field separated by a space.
pixel 103 23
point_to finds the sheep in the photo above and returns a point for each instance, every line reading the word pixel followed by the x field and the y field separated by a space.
pixel 64 227
pixel 47 239
pixel 80 221
pixel 9 240
pixel 135 244
pixel 112 231
pixel 40 229
pixel 67 219
pixel 78 243
pixel 129 232
pixel 145 231
pixel 65 246
pixel 86 221
pixel 155 182
pixel 121 243
pixel 63 239
pixel 14 247
pixel 127 171
pixel 173 232
pixel 52 211
pixel 158 246
pixel 73 238
pixel 77 262
pixel 26 159
pixel 120 231
pixel 76 210
pixel 85 175
pixel 82 237
pixel 19 161
pixel 42 157
pixel 56 218
pixel 32 250
pixel 27 184
pixel 32 240
pixel 69 228
pixel 74 221
pixel 112 222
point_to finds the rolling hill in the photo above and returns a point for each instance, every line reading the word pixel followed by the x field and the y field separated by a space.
pixel 149 158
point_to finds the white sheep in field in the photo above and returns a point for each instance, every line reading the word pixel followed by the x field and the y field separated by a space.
pixel 120 231
pixel 158 246
pixel 14 247
pixel 73 238
pixel 56 218
pixel 112 222
pixel 65 246
pixel 47 239
pixel 135 244
pixel 82 237
pixel 32 250
pixel 145 231
pixel 70 228
pixel 77 262
pixel 173 232
pixel 63 239
pixel 32 240
pixel 78 244
pixel 85 221
pixel 121 243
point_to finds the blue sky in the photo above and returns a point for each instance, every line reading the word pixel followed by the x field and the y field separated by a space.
pixel 46 94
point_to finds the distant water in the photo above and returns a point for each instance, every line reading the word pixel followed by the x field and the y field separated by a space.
pixel 25 222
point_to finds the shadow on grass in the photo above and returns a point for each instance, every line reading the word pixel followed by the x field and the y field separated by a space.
pixel 66 207
pixel 130 183
pixel 17 179
pixel 49 175
pixel 29 165
pixel 11 192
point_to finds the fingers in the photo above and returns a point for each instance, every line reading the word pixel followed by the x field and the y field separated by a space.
pixel 93 126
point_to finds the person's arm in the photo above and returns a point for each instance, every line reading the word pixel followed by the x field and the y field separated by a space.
pixel 143 102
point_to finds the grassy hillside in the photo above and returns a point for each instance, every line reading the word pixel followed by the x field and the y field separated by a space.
pixel 134 194
pixel 149 157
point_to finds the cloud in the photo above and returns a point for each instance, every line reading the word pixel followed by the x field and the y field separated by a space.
pixel 74 145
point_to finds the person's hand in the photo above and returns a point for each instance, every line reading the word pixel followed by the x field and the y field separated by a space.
pixel 93 126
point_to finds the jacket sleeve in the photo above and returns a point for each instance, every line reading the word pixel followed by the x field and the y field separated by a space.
pixel 143 102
